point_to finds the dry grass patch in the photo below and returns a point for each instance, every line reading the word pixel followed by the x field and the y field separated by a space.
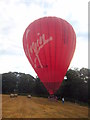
pixel 22 107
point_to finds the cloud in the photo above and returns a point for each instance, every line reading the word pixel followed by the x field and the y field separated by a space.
pixel 80 58
pixel 16 63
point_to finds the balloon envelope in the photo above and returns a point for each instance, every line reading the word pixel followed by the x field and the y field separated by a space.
pixel 49 44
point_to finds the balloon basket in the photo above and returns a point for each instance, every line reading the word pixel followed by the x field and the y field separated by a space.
pixel 52 98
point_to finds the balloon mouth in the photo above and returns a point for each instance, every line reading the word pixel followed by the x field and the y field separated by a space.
pixel 51 92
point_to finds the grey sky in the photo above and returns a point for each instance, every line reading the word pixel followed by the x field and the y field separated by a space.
pixel 16 15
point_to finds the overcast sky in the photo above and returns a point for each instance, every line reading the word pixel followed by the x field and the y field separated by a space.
pixel 16 15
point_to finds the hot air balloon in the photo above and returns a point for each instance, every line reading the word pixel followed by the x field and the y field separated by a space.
pixel 49 44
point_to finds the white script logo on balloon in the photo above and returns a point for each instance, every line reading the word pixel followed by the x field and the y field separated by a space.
pixel 35 47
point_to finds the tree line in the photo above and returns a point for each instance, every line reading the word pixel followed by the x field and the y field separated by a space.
pixel 74 88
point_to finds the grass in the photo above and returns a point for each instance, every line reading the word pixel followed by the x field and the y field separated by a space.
pixel 37 107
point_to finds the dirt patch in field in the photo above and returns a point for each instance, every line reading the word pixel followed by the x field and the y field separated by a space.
pixel 23 107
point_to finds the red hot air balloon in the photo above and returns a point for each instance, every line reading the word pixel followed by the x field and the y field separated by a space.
pixel 49 44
